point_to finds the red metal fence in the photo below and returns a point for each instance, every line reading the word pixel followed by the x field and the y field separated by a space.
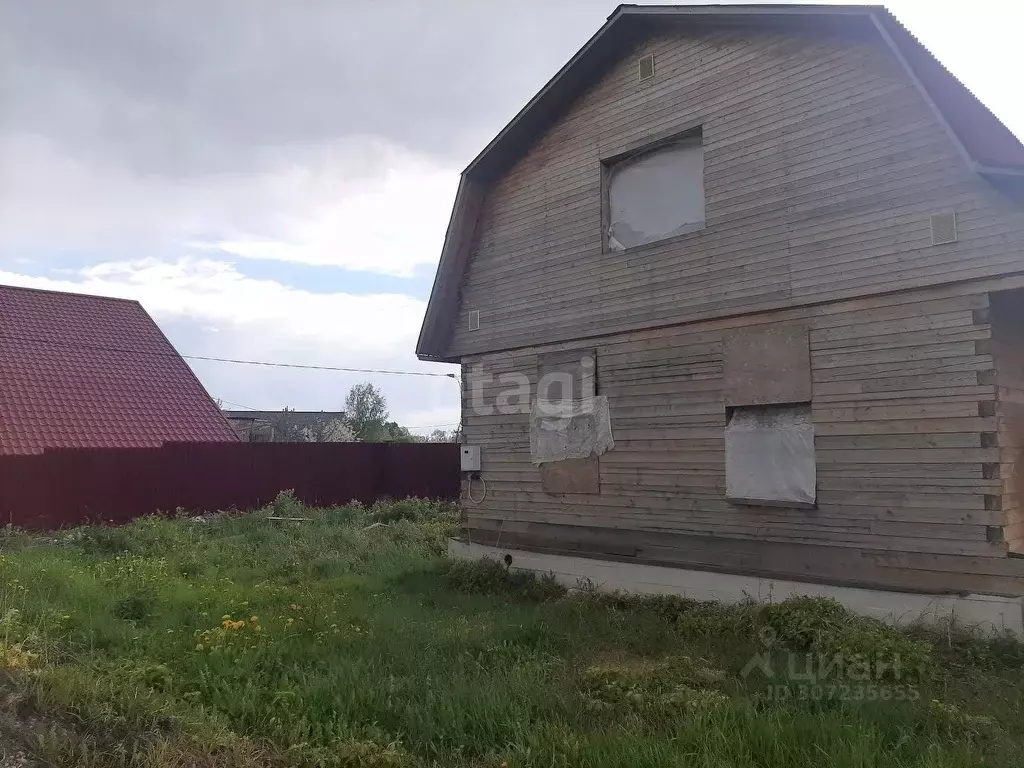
pixel 71 486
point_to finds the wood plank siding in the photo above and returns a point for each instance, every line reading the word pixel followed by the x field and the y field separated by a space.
pixel 1007 346
pixel 823 163
pixel 906 413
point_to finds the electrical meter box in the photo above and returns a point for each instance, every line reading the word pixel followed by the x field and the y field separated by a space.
pixel 471 458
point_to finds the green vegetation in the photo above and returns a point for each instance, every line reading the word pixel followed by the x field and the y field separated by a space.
pixel 349 640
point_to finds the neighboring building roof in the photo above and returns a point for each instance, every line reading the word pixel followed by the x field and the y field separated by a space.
pixel 987 145
pixel 82 371
pixel 300 417
pixel 283 425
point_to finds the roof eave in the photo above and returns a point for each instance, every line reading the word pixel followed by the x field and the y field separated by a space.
pixel 457 240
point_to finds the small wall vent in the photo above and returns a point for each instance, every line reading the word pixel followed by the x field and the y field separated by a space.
pixel 474 319
pixel 645 67
pixel 943 228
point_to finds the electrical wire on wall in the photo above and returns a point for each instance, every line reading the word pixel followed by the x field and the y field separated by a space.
pixel 472 475
pixel 469 488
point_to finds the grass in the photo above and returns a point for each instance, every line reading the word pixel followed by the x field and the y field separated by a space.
pixel 349 640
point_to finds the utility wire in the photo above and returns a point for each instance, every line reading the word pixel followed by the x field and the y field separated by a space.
pixel 237 405
pixel 316 367
pixel 265 363
pixel 121 350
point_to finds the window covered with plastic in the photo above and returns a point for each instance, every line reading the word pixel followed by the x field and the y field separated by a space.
pixel 656 195
pixel 769 455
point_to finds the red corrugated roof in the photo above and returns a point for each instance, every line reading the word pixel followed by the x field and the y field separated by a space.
pixel 90 372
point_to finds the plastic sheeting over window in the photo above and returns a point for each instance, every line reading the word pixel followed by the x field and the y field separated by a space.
pixel 570 429
pixel 769 455
pixel 657 195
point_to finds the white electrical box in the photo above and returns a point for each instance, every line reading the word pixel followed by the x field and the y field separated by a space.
pixel 471 458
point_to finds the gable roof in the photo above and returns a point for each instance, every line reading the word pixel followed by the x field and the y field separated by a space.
pixel 82 371
pixel 986 145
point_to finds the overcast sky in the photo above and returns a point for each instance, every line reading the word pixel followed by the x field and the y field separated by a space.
pixel 273 179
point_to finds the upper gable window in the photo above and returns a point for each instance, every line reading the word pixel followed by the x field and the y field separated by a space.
pixel 656 194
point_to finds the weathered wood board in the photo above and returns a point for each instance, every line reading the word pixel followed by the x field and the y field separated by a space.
pixel 573 476
pixel 767 365
pixel 823 164
pixel 906 422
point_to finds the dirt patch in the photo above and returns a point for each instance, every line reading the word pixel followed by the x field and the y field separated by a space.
pixel 16 728
pixel 12 753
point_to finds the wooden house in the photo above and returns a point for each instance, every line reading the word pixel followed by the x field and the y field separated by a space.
pixel 783 248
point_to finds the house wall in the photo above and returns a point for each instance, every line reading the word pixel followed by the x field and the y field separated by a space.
pixel 1007 346
pixel 908 468
pixel 822 165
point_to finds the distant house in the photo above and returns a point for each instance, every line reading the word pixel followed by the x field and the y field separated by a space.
pixel 289 426
pixel 82 371
pixel 778 253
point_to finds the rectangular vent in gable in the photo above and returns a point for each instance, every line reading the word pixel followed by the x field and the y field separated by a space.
pixel 943 228
pixel 645 67
pixel 474 319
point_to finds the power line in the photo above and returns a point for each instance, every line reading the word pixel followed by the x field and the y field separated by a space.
pixel 265 363
pixel 317 367
pixel 237 405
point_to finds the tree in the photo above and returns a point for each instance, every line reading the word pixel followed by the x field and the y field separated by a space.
pixel 441 436
pixel 367 413
pixel 325 429
pixel 292 427
pixel 287 427
pixel 396 433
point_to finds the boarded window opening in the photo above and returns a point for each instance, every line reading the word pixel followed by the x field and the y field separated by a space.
pixel 769 455
pixel 570 425
pixel 656 195
pixel 571 476
pixel 766 365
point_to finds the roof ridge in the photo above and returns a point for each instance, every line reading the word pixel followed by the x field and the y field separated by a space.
pixel 79 294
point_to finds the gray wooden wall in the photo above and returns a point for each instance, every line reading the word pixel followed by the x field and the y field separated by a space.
pixel 823 163
pixel 1007 346
pixel 904 400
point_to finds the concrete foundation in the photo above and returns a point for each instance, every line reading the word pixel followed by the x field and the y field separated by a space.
pixel 985 613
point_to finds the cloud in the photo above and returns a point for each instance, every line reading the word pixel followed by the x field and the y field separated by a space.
pixel 183 87
pixel 388 225
pixel 208 308
pixel 360 203
pixel 300 132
